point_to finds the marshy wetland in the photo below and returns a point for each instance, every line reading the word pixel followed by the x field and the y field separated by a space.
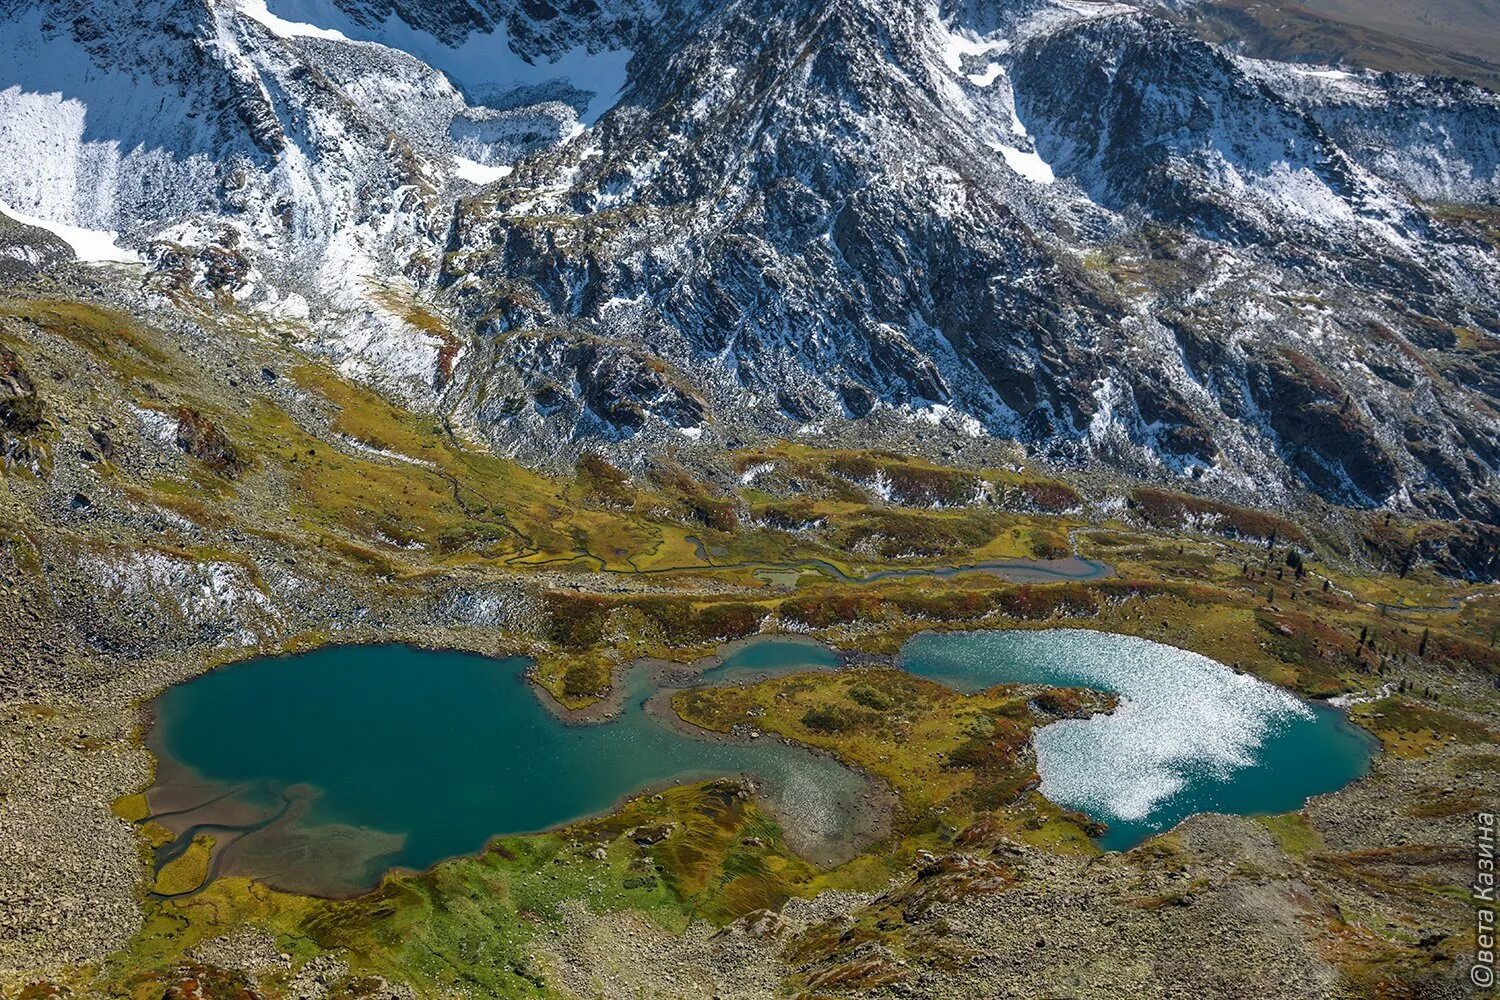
pixel 320 772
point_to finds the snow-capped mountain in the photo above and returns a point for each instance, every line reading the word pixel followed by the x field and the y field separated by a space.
pixel 1068 222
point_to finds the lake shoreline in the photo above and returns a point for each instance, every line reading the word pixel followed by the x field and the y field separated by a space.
pixel 656 681
pixel 661 673
pixel 185 802
pixel 874 822
pixel 1193 735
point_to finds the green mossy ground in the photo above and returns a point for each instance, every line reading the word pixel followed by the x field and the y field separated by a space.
pixel 1409 728
pixel 469 925
pixel 959 763
pixel 186 872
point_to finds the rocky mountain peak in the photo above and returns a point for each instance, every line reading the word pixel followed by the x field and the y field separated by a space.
pixel 650 223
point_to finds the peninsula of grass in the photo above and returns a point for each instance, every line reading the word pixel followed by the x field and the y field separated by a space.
pixel 961 764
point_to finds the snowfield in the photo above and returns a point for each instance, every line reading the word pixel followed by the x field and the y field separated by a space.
pixel 93 246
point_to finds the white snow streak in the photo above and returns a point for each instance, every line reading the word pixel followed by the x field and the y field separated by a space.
pixel 97 246
pixel 1028 164
pixel 483 65
pixel 479 173
pixel 256 10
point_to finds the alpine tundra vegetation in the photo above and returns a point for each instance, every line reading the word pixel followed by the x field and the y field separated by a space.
pixel 748 499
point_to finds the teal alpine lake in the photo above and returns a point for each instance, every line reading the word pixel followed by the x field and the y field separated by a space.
pixel 1190 735
pixel 319 772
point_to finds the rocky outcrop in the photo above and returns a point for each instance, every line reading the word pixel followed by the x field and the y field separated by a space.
pixel 26 251
pixel 22 414
pixel 201 438
pixel 1323 431
pixel 20 406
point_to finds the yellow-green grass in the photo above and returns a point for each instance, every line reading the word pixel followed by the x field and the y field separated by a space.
pixel 119 341
pixel 1294 833
pixel 187 871
pixel 1410 729
pixel 131 808
pixel 957 761
pixel 471 924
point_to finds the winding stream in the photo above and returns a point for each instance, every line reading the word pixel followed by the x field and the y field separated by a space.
pixel 1073 568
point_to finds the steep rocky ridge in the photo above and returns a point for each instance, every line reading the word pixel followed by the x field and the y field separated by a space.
pixel 1075 224
pixel 833 229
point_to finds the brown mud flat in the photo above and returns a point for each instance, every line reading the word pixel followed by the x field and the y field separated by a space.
pixel 249 835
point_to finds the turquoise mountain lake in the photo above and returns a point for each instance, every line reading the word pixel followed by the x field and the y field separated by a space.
pixel 1190 735
pixel 321 771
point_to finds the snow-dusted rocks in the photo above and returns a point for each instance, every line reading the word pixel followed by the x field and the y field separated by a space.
pixel 661 222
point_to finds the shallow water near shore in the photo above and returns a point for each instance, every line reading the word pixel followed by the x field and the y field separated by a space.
pixel 1190 735
pixel 767 657
pixel 319 772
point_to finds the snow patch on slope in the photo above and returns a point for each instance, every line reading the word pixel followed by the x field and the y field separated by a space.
pixel 257 11
pixel 961 49
pixel 96 246
pixel 479 173
pixel 484 65
pixel 97 148
pixel 1028 164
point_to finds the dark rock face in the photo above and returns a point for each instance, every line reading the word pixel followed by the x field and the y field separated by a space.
pixel 1167 407
pixel 1470 551
pixel 534 28
pixel 1083 228
pixel 824 280
pixel 1322 431
pixel 20 407
pixel 21 411
pixel 540 380
pixel 170 42
pixel 26 251
pixel 202 439
pixel 22 415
